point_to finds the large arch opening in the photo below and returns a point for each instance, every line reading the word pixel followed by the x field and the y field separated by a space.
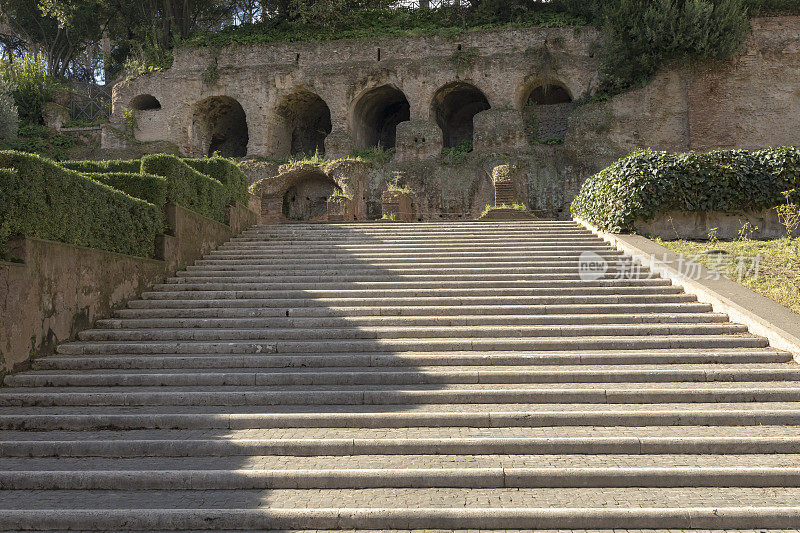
pixel 376 116
pixel 145 102
pixel 545 111
pixel 454 106
pixel 307 121
pixel 220 125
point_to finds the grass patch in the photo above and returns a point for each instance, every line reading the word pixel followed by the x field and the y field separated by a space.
pixel 777 275
pixel 456 154
pixel 372 23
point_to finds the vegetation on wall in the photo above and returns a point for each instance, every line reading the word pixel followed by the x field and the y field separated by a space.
pixel 640 35
pixel 225 171
pixel 646 183
pixel 147 187
pixel 132 165
pixel 189 188
pixel 41 140
pixel 39 198
pixel 330 21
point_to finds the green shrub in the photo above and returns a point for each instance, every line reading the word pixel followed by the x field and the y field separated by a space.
pixel 189 188
pixel 640 35
pixel 31 87
pixel 131 166
pixel 647 183
pixel 457 153
pixel 42 199
pixel 147 187
pixel 225 171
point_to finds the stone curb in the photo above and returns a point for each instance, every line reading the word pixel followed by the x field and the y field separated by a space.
pixel 411 446
pixel 440 518
pixel 761 315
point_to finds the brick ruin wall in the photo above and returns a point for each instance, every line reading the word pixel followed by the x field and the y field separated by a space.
pixel 514 93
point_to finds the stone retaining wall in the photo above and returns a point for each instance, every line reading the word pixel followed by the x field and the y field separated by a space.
pixel 60 289
pixel 726 226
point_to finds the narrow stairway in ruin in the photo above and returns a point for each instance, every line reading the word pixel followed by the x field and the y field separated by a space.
pixel 404 376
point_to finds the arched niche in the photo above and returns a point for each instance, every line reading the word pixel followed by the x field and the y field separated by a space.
pixel 220 125
pixel 145 102
pixel 454 106
pixel 304 122
pixel 307 189
pixel 376 115
pixel 546 109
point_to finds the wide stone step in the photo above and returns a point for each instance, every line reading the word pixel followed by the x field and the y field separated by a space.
pixel 397 377
pixel 432 286
pixel 257 464
pixel 379 410
pixel 615 342
pixel 364 478
pixel 510 258
pixel 404 513
pixel 487 251
pixel 457 320
pixel 230 437
pixel 310 299
pixel 323 360
pixel 407 395
pixel 509 311
pixel 689 415
pixel 355 452
pixel 443 243
pixel 366 294
pixel 407 279
pixel 616 268
pixel 288 304
pixel 409 332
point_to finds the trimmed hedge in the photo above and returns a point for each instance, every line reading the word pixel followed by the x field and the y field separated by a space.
pixel 225 171
pixel 133 166
pixel 189 188
pixel 147 187
pixel 646 183
pixel 42 199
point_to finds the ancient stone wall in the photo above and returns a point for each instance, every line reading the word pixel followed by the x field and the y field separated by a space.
pixel 518 95
pixel 59 289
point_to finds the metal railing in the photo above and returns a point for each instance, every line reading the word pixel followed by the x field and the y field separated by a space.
pixel 90 102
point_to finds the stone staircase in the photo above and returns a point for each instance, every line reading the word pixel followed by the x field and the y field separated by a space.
pixel 405 376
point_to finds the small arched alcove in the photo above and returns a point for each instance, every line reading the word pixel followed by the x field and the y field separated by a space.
pixel 307 192
pixel 545 109
pixel 145 102
pixel 305 121
pixel 220 125
pixel 376 116
pixel 454 106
